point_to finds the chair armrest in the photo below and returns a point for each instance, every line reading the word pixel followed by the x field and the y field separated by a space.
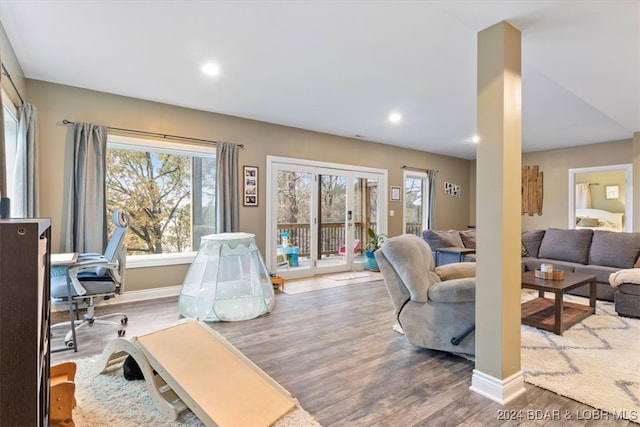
pixel 79 267
pixel 456 270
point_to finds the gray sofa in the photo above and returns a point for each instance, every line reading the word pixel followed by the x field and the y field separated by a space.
pixel 595 252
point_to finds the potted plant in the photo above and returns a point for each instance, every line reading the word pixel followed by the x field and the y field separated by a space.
pixel 375 241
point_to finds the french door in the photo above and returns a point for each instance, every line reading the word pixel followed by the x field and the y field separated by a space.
pixel 318 214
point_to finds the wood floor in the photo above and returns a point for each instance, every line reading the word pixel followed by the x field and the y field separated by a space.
pixel 336 352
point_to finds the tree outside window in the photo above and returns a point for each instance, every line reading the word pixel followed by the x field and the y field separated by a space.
pixel 168 192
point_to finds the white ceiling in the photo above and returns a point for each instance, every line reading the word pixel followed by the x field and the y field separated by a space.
pixel 341 67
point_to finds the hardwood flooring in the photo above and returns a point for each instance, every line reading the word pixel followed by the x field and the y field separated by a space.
pixel 336 352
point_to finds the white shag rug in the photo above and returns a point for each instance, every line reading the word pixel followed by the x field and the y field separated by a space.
pixel 109 399
pixel 596 362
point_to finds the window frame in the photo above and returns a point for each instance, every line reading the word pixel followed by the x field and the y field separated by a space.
pixel 115 140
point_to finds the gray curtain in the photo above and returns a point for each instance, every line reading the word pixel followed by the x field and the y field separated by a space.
pixel 25 182
pixel 227 195
pixel 86 229
pixel 432 220
pixel 3 165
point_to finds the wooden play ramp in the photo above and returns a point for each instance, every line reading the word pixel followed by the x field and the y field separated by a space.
pixel 197 368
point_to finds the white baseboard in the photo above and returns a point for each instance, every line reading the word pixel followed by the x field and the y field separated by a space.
pixel 132 296
pixel 498 390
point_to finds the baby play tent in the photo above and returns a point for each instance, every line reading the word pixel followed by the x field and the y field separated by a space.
pixel 228 280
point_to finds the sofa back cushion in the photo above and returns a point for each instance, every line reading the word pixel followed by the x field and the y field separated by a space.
pixel 442 239
pixel 469 238
pixel 531 241
pixel 566 245
pixel 614 249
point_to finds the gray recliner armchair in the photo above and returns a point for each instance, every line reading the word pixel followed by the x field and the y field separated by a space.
pixel 434 306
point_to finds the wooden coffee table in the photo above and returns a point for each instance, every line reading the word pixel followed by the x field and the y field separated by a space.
pixel 556 315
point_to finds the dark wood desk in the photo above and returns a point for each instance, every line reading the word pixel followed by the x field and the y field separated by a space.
pixel 556 315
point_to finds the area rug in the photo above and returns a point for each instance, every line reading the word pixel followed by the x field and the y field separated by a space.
pixel 109 399
pixel 328 281
pixel 349 275
pixel 596 362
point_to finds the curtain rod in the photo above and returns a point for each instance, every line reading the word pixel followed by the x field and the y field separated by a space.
pixel 418 169
pixel 6 73
pixel 162 135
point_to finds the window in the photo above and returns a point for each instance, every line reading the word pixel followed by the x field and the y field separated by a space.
pixel 11 154
pixel 415 203
pixel 168 190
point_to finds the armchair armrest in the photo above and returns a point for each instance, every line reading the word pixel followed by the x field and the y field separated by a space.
pixel 456 270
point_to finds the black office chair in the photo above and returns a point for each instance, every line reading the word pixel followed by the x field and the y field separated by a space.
pixel 94 278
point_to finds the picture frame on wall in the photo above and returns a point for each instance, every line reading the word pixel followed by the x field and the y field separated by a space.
pixel 612 192
pixel 250 186
pixel 395 194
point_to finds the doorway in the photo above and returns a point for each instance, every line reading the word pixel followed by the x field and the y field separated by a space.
pixel 318 214
pixel 598 183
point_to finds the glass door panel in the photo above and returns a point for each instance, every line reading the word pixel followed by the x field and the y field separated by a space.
pixel 332 235
pixel 293 217
pixel 319 217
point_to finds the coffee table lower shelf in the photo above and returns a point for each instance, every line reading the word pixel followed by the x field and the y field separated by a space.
pixel 540 313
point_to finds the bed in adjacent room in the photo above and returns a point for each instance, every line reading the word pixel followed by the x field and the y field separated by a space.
pixel 598 219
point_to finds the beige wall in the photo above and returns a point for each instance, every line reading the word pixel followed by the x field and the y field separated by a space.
pixel 57 102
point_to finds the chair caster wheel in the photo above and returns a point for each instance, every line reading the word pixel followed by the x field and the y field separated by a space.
pixel 124 320
pixel 121 332
pixel 69 344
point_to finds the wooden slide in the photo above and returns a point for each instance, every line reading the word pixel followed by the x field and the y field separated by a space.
pixel 197 368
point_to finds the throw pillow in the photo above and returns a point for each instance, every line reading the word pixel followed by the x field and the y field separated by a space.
pixel 469 238
pixel 442 239
pixel 588 222
pixel 532 240
pixel 523 250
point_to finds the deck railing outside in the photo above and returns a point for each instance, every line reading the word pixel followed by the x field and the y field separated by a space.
pixel 331 236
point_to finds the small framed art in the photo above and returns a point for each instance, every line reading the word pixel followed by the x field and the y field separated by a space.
pixel 250 186
pixel 395 194
pixel 612 191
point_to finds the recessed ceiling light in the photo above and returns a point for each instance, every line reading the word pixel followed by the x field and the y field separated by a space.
pixel 395 117
pixel 210 69
pixel 475 139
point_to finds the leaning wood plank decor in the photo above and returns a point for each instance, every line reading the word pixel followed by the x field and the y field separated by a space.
pixel 531 190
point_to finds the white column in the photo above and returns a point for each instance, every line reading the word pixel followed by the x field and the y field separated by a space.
pixel 497 374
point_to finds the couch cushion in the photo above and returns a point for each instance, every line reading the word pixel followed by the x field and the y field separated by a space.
pixel 456 290
pixel 601 272
pixel 566 245
pixel 442 239
pixel 469 238
pixel 614 249
pixel 531 241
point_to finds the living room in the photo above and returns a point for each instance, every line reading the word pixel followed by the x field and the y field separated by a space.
pixel 56 102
